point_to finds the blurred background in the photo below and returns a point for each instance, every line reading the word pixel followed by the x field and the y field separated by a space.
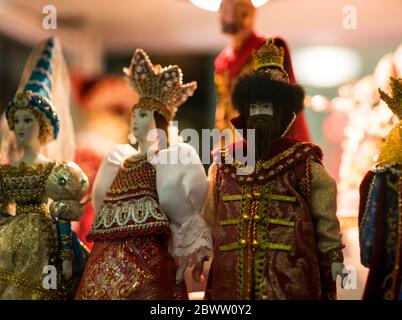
pixel 340 62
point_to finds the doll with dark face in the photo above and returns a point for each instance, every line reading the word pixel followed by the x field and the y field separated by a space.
pixel 275 230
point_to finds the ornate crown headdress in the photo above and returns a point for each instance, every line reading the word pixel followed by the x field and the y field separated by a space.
pixel 160 89
pixel 36 86
pixel 270 59
pixel 391 150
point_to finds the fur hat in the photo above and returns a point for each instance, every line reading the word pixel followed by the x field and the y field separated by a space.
pixel 259 87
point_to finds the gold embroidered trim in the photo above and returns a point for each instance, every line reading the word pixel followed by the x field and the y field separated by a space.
pixel 260 258
pixel 396 283
pixel 392 185
pixel 278 197
pixel 257 195
pixel 264 246
pixel 18 175
pixel 366 205
pixel 129 228
pixel 229 246
pixel 280 222
pixel 129 214
pixel 275 246
pixel 136 186
pixel 24 169
pixel 242 231
pixel 230 197
pixel 266 164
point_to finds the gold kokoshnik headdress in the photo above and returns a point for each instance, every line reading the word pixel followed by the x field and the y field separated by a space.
pixel 160 89
pixel 270 58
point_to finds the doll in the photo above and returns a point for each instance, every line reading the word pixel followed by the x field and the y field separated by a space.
pixel 237 23
pixel 380 211
pixel 147 207
pixel 31 240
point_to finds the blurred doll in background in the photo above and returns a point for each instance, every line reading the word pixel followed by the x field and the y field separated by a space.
pixel 237 22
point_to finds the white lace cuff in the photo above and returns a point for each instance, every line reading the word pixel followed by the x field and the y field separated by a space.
pixel 192 238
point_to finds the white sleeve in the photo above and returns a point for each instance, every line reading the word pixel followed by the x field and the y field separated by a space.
pixel 108 171
pixel 182 188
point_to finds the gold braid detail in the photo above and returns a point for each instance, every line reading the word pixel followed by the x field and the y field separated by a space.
pixel 29 284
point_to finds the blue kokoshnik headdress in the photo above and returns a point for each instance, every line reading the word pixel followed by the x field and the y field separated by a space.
pixel 35 89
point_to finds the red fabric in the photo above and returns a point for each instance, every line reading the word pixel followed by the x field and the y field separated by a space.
pixel 89 161
pixel 233 60
pixel 299 129
pixel 135 268
pixel 83 226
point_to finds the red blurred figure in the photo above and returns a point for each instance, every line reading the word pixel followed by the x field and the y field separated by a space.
pixel 237 18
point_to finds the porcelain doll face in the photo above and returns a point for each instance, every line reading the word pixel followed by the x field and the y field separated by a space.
pixel 26 127
pixel 141 123
pixel 264 108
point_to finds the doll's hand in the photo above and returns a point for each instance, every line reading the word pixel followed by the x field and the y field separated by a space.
pixel 198 270
pixel 337 268
pixel 67 269
pixel 67 209
pixel 180 270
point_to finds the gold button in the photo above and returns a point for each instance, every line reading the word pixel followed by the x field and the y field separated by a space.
pixel 257 195
pixel 245 216
pixel 257 217
pixel 242 242
pixel 255 243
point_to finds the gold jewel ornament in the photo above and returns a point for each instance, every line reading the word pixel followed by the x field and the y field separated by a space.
pixel 160 89
pixel 390 151
pixel 270 58
pixel 394 102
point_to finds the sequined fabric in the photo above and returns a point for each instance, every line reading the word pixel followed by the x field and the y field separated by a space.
pixel 137 268
pixel 28 241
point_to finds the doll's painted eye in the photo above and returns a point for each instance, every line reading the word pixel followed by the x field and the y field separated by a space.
pixel 62 181
pixel 83 183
